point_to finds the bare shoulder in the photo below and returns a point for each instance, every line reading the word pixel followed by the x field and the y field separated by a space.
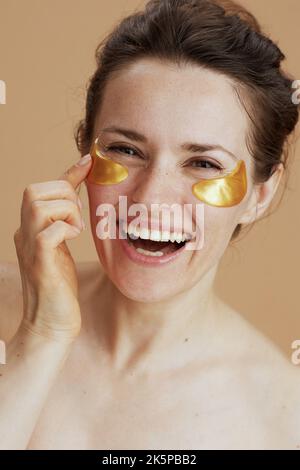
pixel 11 309
pixel 270 378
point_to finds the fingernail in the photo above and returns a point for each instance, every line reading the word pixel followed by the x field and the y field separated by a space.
pixel 83 224
pixel 79 202
pixel 84 160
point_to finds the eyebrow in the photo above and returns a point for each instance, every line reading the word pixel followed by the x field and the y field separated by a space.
pixel 188 146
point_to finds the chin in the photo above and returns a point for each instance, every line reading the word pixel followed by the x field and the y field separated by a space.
pixel 144 289
pixel 140 281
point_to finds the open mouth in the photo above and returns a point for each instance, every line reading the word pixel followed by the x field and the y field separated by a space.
pixel 153 248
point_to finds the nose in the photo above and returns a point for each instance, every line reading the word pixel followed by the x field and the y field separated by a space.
pixel 156 186
pixel 164 187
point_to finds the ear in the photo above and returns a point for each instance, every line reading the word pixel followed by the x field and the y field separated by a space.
pixel 262 196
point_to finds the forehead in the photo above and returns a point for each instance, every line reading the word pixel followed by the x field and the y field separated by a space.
pixel 165 101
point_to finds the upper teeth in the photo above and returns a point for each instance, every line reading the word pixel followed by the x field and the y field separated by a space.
pixel 156 235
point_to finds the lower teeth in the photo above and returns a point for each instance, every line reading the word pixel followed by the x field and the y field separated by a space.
pixel 142 250
pixel 149 253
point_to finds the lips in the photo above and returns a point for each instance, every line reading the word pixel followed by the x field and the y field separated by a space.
pixel 151 253
pixel 147 260
pixel 155 246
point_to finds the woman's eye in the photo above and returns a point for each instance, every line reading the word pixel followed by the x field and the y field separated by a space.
pixel 123 149
pixel 205 164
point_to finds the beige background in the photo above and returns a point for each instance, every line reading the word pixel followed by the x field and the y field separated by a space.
pixel 46 57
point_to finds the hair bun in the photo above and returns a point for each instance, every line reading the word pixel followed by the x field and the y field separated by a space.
pixel 232 9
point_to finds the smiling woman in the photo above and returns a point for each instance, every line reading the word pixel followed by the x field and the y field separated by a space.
pixel 188 106
pixel 250 59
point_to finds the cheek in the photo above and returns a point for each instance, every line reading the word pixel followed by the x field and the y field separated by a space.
pixel 105 194
pixel 219 224
pixel 109 194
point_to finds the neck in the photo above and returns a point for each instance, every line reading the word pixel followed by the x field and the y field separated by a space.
pixel 156 336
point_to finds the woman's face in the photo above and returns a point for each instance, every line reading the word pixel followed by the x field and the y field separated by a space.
pixel 169 106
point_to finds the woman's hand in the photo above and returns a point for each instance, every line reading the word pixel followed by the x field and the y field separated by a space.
pixel 50 215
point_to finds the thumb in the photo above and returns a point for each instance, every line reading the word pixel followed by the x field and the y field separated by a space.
pixel 78 172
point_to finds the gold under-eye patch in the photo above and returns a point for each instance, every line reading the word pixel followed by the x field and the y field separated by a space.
pixel 104 170
pixel 224 191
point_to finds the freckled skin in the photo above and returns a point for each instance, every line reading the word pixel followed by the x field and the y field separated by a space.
pixel 218 118
pixel 218 400
pixel 161 362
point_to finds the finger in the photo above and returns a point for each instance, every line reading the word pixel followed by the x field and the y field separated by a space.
pixel 56 189
pixel 46 191
pixel 55 234
pixel 44 213
pixel 78 172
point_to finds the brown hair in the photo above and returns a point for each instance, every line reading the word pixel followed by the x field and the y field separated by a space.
pixel 222 36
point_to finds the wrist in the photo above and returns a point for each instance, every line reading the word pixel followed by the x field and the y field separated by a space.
pixel 29 340
pixel 45 334
pixel 33 351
